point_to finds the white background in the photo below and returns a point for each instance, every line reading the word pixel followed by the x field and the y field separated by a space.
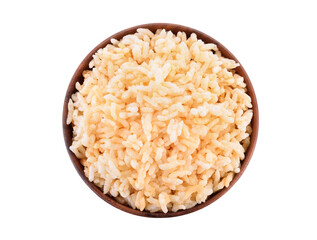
pixel 42 43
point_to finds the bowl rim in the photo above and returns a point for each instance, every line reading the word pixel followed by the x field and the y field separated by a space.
pixel 67 129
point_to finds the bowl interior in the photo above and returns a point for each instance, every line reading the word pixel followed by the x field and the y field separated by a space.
pixel 77 77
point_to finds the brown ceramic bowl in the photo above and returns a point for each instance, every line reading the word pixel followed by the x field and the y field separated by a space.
pixel 77 77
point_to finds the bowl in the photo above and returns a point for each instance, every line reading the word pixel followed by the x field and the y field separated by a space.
pixel 77 77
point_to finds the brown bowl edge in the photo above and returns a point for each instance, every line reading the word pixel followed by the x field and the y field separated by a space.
pixel 67 129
